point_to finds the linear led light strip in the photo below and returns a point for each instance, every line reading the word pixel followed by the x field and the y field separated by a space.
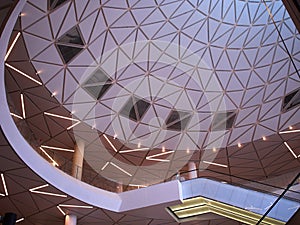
pixel 64 117
pixel 12 46
pixel 34 190
pixel 52 160
pixel 153 157
pixel 119 168
pixel 57 148
pixel 289 131
pixel 109 142
pixel 20 220
pixel 291 150
pixel 4 185
pixel 17 116
pixel 215 164
pixel 23 106
pixel 72 206
pixel 134 150
pixel 24 74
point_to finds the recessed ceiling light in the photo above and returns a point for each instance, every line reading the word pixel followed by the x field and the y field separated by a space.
pixel 12 46
pixel 57 148
pixel 153 157
pixel 119 168
pixel 49 157
pixel 264 138
pixel 61 117
pixel 4 184
pixel 291 127
pixel 110 143
pixel 17 116
pixel 76 206
pixel 20 220
pixel 163 149
pixel 240 145
pixel 290 149
pixel 24 74
pixel 34 190
pixel 23 106
pixel 289 131
pixel 215 164
pixel 134 150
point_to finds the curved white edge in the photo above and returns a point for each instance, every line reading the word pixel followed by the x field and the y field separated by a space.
pixel 71 186
pixel 150 196
pixel 153 195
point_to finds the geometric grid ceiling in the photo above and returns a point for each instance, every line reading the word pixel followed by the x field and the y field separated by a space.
pixel 199 58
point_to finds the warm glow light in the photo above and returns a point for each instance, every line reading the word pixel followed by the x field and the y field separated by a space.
pixel 52 160
pixel 290 127
pixel 115 136
pixel 61 210
pixel 61 117
pixel 290 149
pixel 17 116
pixel 214 150
pixel 4 184
pixel 76 206
pixel 57 148
pixel 23 106
pixel 289 131
pixel 163 149
pixel 73 125
pixel 136 185
pixel 109 142
pixel 134 150
pixel 34 190
pixel 24 74
pixel 158 160
pixel 215 164
pixel 239 145
pixel 12 46
pixel 106 164
pixel 264 138
pixel 124 171
pixel 20 220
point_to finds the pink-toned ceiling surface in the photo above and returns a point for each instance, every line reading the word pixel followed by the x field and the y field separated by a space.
pixel 196 58
pixel 200 57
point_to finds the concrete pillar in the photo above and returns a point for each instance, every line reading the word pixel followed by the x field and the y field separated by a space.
pixel 78 160
pixel 192 170
pixel 70 220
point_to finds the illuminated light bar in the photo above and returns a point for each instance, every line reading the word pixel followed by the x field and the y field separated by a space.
pixel 61 117
pixel 76 206
pixel 109 142
pixel 62 212
pixel 215 164
pixel 4 184
pixel 106 164
pixel 17 116
pixel 57 148
pixel 136 185
pixel 34 190
pixel 23 106
pixel 2 195
pixel 52 160
pixel 289 131
pixel 24 74
pixel 124 171
pixel 12 46
pixel 153 157
pixel 20 220
pixel 75 124
pixel 158 160
pixel 290 149
pixel 134 150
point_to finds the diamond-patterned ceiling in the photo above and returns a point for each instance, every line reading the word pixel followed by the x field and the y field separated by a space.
pixel 200 58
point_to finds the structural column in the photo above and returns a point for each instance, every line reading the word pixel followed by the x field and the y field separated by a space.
pixel 78 160
pixel 192 170
pixel 70 220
